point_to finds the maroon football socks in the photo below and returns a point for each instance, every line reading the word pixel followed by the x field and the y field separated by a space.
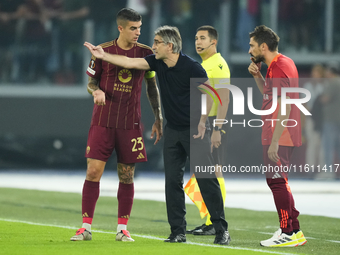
pixel 89 200
pixel 125 200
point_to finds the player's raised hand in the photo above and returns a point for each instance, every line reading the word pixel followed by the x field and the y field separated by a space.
pixel 157 128
pixel 254 68
pixel 96 51
pixel 98 97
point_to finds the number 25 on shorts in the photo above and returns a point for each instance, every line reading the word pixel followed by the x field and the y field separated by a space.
pixel 137 143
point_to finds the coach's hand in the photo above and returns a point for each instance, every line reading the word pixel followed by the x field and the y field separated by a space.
pixel 272 152
pixel 98 97
pixel 96 51
pixel 254 69
pixel 157 128
pixel 201 130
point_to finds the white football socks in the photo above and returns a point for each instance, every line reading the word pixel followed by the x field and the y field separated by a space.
pixel 87 226
pixel 121 227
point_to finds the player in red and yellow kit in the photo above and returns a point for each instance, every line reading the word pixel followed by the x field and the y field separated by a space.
pixel 278 140
pixel 116 122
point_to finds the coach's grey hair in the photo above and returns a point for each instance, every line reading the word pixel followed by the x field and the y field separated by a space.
pixel 170 35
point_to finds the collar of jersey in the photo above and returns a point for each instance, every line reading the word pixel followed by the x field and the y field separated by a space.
pixel 274 60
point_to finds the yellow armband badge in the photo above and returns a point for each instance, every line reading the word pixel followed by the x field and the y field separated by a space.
pixel 149 74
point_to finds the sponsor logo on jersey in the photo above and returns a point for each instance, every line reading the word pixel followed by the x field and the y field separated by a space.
pixel 122 87
pixel 124 75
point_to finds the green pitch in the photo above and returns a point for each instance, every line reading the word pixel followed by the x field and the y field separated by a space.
pixel 39 222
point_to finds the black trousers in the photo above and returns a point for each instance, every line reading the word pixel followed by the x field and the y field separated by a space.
pixel 176 151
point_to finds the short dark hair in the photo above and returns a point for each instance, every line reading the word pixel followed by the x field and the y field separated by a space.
pixel 263 34
pixel 127 14
pixel 212 32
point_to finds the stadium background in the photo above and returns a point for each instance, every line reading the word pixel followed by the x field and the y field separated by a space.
pixel 45 109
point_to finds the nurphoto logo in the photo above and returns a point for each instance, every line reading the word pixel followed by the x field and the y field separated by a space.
pixel 238 104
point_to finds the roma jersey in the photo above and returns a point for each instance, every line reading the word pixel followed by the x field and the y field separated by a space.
pixel 281 73
pixel 122 88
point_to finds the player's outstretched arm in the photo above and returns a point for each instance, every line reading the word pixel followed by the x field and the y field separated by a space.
pixel 118 60
pixel 155 102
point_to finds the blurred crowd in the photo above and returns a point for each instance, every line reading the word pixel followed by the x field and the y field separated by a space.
pixel 41 40
pixel 322 130
pixel 33 32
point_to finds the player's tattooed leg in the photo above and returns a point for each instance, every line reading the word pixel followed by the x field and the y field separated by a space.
pixel 126 173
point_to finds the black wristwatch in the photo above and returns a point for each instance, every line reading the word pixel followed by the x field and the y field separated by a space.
pixel 217 128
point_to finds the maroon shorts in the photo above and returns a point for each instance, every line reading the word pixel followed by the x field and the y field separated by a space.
pixel 129 144
pixel 279 169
